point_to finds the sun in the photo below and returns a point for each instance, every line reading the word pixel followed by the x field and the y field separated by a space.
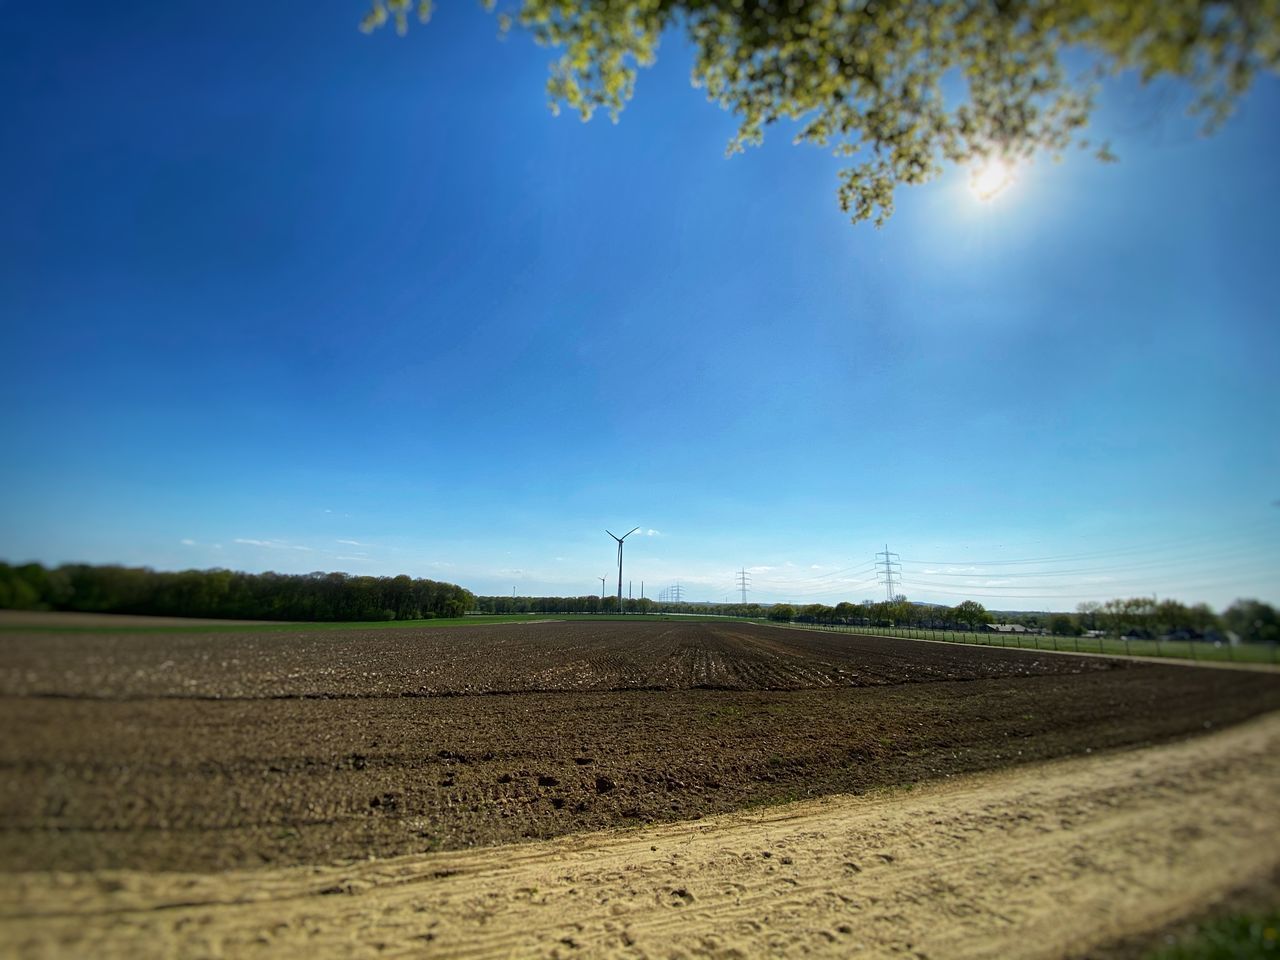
pixel 991 179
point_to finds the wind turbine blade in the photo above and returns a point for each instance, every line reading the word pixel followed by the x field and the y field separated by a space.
pixel 629 534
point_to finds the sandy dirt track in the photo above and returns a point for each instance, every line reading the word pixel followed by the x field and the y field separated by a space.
pixel 1042 861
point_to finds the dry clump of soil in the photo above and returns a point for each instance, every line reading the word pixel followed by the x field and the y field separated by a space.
pixel 309 747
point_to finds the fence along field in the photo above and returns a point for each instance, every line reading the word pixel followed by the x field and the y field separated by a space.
pixel 1197 650
pixel 196 751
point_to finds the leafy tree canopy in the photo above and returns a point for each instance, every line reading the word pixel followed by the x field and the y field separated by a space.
pixel 899 87
pixel 972 613
pixel 782 611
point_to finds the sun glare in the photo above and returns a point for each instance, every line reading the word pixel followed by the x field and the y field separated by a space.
pixel 991 179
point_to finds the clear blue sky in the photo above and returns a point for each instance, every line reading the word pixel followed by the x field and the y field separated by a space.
pixel 278 295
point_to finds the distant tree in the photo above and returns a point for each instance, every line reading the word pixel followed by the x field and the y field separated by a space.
pixel 895 612
pixel 1201 617
pixel 866 79
pixel 1170 615
pixel 1140 612
pixel 1061 625
pixel 816 613
pixel 971 613
pixel 17 592
pixel 1089 612
pixel 1253 621
pixel 1132 615
pixel 1112 614
pixel 782 611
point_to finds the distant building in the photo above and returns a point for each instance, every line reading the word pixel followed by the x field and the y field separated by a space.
pixel 1008 628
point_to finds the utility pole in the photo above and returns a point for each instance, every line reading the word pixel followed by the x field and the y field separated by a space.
pixel 744 582
pixel 891 575
pixel 620 539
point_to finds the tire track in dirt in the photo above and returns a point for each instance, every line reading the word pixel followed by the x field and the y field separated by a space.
pixel 1045 861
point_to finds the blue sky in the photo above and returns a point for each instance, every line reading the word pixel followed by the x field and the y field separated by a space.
pixel 278 295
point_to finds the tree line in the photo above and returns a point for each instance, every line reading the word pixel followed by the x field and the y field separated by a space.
pixel 887 613
pixel 228 594
pixel 1251 620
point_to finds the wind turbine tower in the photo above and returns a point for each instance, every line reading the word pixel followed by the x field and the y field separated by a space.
pixel 620 539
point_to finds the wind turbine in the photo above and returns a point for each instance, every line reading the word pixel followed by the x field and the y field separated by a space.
pixel 620 539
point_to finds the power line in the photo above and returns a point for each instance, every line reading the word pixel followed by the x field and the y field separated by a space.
pixel 867 567
pixel 1244 555
pixel 831 590
pixel 1155 547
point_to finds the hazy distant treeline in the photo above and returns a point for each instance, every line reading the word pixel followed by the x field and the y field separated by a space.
pixel 595 604
pixel 228 594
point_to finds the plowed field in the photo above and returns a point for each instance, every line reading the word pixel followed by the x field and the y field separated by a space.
pixel 201 751
pixel 505 658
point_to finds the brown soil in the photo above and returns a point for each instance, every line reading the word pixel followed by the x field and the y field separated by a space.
pixel 499 658
pixel 196 752
pixel 1040 863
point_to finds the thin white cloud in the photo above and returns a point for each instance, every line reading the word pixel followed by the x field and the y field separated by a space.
pixel 188 542
pixel 271 544
pixel 652 533
pixel 354 543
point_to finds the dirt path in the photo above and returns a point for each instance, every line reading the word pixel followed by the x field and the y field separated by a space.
pixel 1043 861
